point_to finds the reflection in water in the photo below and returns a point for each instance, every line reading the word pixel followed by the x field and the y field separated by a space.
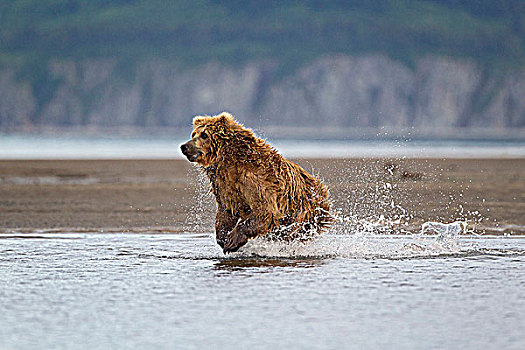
pixel 267 264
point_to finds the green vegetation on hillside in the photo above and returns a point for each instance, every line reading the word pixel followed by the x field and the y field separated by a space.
pixel 234 31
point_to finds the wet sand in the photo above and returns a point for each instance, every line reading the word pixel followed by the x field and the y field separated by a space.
pixel 169 195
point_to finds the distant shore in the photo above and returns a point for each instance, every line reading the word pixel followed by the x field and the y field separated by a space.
pixel 170 195
pixel 284 132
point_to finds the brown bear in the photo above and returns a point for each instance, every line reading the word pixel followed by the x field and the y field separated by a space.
pixel 258 191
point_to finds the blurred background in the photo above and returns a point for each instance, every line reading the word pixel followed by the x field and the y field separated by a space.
pixel 334 70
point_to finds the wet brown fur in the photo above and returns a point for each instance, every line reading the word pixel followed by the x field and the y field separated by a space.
pixel 257 190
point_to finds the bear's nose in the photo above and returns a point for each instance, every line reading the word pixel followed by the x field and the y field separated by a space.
pixel 184 148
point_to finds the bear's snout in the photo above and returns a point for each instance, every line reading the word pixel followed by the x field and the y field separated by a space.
pixel 190 151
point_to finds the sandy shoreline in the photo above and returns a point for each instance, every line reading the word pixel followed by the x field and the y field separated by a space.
pixel 168 195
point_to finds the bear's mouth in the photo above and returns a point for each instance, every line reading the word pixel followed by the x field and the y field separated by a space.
pixel 193 157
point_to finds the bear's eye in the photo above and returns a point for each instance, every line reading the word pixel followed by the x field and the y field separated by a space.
pixel 204 136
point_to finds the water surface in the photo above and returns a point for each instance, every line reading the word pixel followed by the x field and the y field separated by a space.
pixel 177 291
pixel 62 147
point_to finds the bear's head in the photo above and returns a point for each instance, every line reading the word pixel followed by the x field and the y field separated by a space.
pixel 208 136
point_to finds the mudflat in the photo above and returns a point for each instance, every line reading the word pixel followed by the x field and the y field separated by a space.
pixel 171 195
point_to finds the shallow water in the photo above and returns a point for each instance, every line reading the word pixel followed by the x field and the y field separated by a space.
pixel 167 291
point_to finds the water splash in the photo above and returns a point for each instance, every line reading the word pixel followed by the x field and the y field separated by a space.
pixel 201 214
pixel 446 233
pixel 367 243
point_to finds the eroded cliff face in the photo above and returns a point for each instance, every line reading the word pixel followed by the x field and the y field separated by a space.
pixel 336 91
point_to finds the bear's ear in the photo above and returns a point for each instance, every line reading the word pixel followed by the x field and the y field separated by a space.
pixel 226 118
pixel 200 120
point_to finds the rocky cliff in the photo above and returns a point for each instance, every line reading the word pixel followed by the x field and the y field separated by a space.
pixel 334 92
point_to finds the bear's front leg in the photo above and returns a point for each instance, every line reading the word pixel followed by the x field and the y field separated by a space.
pixel 251 227
pixel 225 221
